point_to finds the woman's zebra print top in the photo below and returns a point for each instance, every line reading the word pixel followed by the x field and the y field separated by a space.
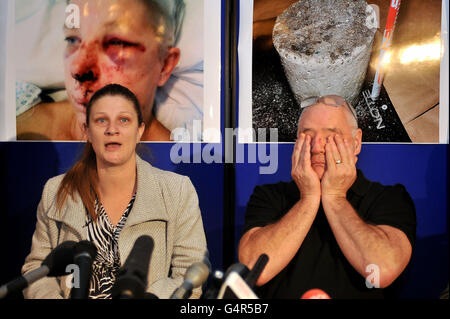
pixel 106 238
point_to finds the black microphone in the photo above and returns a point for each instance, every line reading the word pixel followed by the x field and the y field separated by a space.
pixel 214 285
pixel 194 277
pixel 131 280
pixel 53 265
pixel 253 275
pixel 84 255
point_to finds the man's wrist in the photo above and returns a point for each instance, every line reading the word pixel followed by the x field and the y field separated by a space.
pixel 333 198
pixel 310 198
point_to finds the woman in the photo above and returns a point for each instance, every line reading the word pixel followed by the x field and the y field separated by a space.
pixel 129 42
pixel 111 191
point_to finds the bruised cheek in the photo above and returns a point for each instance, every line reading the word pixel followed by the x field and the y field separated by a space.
pixel 117 73
pixel 126 67
pixel 112 72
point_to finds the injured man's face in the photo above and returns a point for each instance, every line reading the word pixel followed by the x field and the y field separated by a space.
pixel 116 43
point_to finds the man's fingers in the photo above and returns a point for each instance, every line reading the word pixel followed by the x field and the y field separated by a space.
pixel 342 149
pixel 334 151
pixel 308 151
pixel 305 155
pixel 294 155
pixel 297 149
pixel 331 162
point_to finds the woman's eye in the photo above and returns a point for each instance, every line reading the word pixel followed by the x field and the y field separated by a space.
pixel 100 120
pixel 124 120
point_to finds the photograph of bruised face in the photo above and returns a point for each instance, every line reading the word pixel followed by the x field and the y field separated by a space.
pixel 127 42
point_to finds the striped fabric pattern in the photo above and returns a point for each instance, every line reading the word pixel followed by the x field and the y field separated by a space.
pixel 105 236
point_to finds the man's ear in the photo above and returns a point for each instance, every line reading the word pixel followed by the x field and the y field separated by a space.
pixel 357 141
pixel 170 62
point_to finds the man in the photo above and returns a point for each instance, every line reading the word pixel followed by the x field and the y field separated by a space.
pixel 330 228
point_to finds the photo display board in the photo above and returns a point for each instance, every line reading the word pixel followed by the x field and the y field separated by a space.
pixel 291 50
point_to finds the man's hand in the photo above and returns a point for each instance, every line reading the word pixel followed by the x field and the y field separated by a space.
pixel 302 172
pixel 338 178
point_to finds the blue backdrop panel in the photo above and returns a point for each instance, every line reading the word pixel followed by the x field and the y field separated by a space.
pixel 25 167
pixel 423 169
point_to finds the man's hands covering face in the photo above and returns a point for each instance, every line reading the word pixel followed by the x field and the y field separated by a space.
pixel 337 178
pixel 302 172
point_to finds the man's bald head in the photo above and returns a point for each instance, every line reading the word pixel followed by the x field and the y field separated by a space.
pixel 338 102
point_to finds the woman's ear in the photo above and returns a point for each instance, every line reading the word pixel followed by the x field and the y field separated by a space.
pixel 84 130
pixel 170 62
pixel 141 130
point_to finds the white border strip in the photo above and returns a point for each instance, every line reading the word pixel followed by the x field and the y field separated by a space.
pixel 8 114
pixel 212 68
pixel 443 92
pixel 245 53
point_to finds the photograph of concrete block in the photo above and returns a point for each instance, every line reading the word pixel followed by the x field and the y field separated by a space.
pixel 318 47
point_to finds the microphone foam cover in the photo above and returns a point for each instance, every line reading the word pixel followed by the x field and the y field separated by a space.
pixel 59 258
pixel 85 246
pixel 139 257
pixel 315 294
pixel 197 273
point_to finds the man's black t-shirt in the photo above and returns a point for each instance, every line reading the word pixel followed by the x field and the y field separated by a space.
pixel 319 262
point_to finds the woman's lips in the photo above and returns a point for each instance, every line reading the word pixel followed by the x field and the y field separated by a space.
pixel 112 146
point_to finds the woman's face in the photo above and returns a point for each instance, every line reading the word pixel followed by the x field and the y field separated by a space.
pixel 114 130
pixel 114 44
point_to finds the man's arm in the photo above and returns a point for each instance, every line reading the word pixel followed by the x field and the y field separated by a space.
pixel 281 240
pixel 364 244
pixel 361 243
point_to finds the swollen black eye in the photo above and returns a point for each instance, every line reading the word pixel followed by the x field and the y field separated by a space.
pixel 120 43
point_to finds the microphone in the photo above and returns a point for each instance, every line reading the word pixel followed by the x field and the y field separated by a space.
pixel 194 277
pixel 234 286
pixel 239 268
pixel 315 294
pixel 214 285
pixel 131 281
pixel 53 265
pixel 256 271
pixel 84 255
